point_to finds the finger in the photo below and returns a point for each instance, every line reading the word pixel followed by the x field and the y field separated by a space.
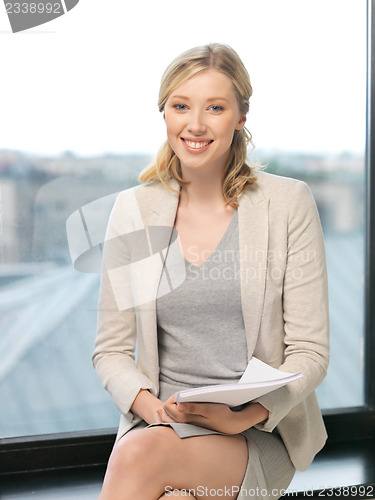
pixel 194 408
pixel 159 412
pixel 171 411
pixel 187 418
pixel 164 417
pixel 170 400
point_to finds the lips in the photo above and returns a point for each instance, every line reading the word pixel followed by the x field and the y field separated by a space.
pixel 196 146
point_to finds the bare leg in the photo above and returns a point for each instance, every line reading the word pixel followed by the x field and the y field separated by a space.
pixel 149 463
pixel 178 494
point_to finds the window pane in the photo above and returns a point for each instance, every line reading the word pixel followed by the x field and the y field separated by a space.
pixel 87 130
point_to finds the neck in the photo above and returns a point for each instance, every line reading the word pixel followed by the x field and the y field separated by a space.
pixel 204 193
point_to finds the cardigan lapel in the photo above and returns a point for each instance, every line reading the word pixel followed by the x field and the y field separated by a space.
pixel 253 243
pixel 158 212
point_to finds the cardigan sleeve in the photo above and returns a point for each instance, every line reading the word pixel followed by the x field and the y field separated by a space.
pixel 305 308
pixel 114 352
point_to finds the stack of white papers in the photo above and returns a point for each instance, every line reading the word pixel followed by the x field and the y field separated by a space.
pixel 257 380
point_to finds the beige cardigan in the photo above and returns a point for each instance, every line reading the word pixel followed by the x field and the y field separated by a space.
pixel 283 293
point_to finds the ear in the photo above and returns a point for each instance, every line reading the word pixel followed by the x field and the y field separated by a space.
pixel 241 123
pixel 164 115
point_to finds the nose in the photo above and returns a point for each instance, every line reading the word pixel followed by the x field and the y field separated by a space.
pixel 196 125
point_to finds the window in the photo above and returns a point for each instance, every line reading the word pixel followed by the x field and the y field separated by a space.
pixel 307 65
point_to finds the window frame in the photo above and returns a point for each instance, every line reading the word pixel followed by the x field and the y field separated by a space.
pixel 369 344
pixel 89 448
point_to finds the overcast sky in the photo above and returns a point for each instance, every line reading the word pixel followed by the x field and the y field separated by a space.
pixel 88 81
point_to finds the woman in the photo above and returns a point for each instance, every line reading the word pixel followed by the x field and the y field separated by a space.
pixel 205 265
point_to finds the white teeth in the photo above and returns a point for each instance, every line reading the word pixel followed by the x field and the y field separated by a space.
pixel 197 145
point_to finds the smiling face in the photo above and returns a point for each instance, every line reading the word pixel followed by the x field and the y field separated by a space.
pixel 201 116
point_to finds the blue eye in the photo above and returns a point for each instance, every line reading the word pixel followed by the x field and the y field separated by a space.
pixel 180 107
pixel 216 108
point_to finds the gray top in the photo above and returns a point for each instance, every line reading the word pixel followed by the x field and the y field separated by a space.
pixel 201 333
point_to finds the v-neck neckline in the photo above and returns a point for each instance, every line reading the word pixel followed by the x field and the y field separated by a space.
pixel 223 240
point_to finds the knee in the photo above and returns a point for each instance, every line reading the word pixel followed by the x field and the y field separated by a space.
pixel 177 494
pixel 140 450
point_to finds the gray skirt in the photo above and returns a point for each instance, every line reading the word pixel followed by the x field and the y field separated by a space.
pixel 269 469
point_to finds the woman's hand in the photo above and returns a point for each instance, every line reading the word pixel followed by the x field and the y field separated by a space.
pixel 150 408
pixel 215 416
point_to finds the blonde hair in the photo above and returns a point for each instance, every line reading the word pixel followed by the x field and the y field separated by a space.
pixel 238 174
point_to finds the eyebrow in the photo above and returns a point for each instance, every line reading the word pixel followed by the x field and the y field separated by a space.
pixel 211 99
